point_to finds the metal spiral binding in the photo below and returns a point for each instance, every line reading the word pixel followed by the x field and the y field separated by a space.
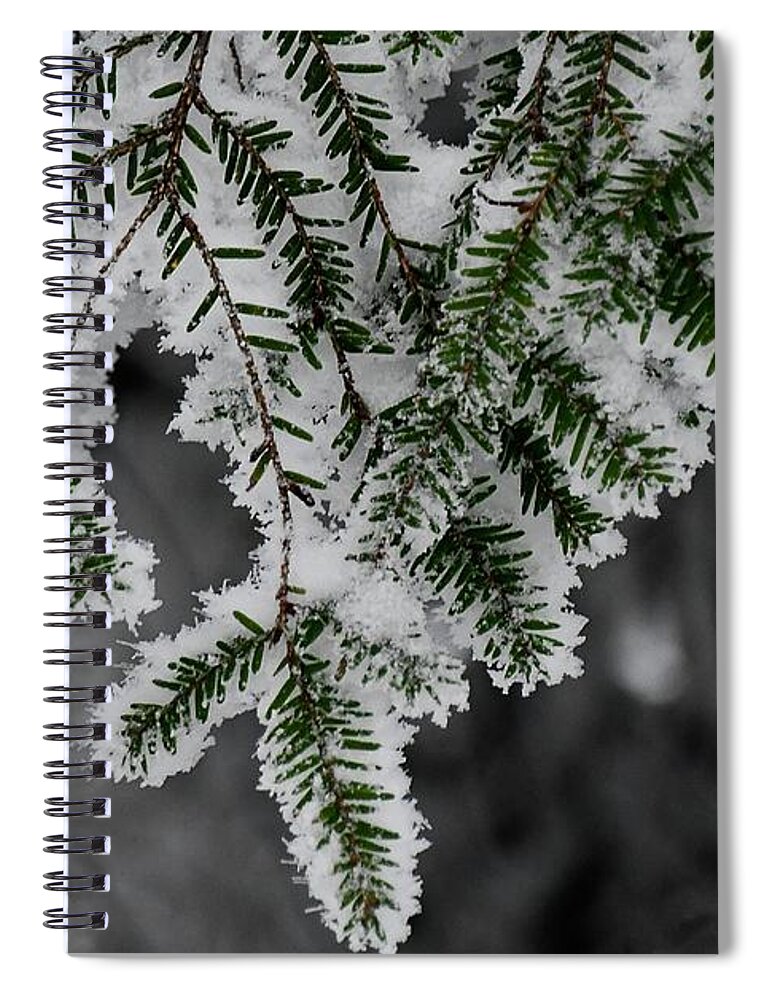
pixel 68 177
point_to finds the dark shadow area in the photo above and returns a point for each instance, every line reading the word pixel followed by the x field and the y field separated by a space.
pixel 445 117
pixel 170 490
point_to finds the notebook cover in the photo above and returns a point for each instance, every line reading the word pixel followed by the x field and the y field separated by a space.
pixel 413 373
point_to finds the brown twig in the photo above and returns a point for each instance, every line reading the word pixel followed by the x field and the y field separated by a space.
pixel 332 784
pixel 521 205
pixel 175 120
pixel 121 246
pixel 322 292
pixel 142 216
pixel 535 111
pixel 237 65
pixel 258 393
pixel 178 117
pixel 599 102
pixel 405 265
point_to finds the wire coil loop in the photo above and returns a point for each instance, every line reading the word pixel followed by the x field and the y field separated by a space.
pixel 81 580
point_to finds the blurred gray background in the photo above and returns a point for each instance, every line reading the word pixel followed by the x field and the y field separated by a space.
pixel 580 820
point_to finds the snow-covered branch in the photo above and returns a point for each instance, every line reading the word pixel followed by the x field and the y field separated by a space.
pixel 441 377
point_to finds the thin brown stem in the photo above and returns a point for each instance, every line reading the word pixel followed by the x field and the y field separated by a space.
pixel 121 246
pixel 405 265
pixel 499 203
pixel 237 64
pixel 599 102
pixel 178 118
pixel 322 295
pixel 258 394
pixel 355 398
pixel 332 784
pixel 535 112
pixel 142 216
pixel 534 115
pixel 175 121
pixel 531 213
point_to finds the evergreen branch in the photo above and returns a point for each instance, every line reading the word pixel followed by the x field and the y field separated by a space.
pixel 328 293
pixel 687 292
pixel 317 737
pixel 488 580
pixel 704 46
pixel 174 121
pixel 420 42
pixel 364 153
pixel 498 295
pixel 472 351
pixel 544 485
pixel 284 484
pixel 145 213
pixel 657 199
pixel 85 560
pixel 484 346
pixel 515 337
pixel 589 93
pixel 166 188
pixel 351 115
pixel 127 45
pixel 496 133
pixel 181 110
pixel 81 81
pixel 568 407
pixel 599 102
pixel 538 90
pixel 323 759
pixel 508 139
pixel 493 138
pixel 195 682
pixel 422 681
pixel 651 192
pixel 609 102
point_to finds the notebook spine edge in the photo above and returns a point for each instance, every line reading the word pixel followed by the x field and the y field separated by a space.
pixel 79 739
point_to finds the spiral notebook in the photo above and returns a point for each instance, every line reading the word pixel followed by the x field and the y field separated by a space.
pixel 385 372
